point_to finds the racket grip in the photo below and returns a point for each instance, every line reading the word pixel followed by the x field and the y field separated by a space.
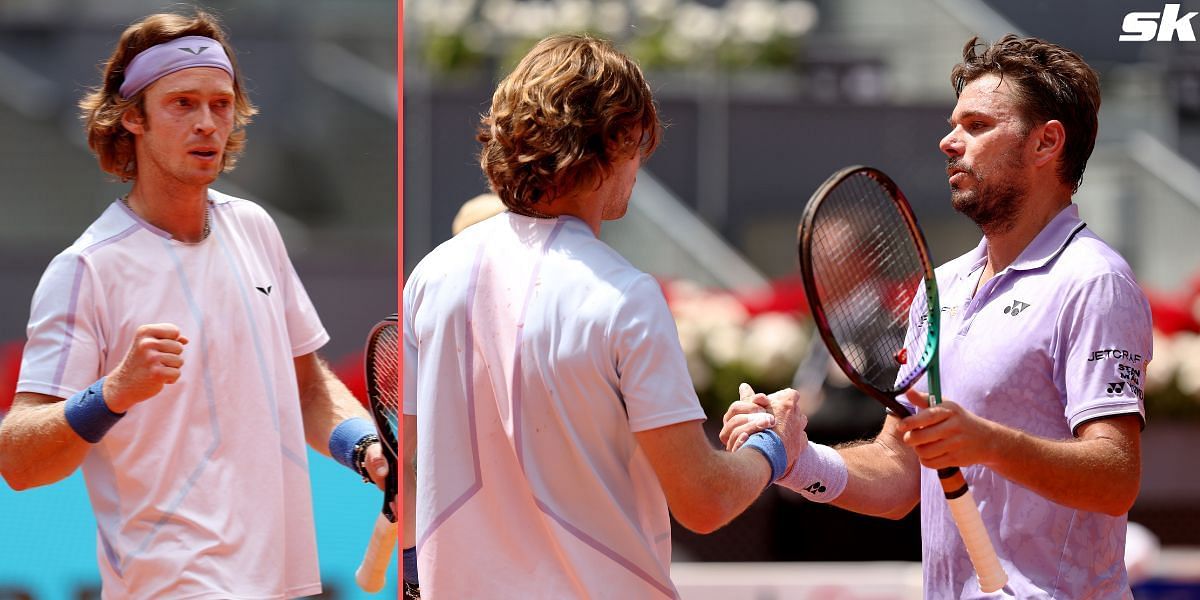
pixel 970 526
pixel 372 573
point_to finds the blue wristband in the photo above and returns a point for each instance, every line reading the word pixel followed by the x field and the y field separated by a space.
pixel 771 445
pixel 88 415
pixel 410 565
pixel 345 437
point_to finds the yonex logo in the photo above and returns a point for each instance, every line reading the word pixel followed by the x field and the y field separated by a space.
pixel 264 290
pixel 1016 308
pixel 195 51
pixel 815 488
pixel 1116 387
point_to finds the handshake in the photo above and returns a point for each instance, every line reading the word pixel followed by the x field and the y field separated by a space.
pixel 754 412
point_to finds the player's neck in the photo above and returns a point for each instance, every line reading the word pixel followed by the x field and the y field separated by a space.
pixel 1004 247
pixel 179 210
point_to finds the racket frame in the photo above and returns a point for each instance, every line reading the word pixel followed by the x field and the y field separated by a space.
pixel 963 508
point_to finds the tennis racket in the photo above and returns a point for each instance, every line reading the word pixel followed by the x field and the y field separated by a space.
pixel 867 273
pixel 383 392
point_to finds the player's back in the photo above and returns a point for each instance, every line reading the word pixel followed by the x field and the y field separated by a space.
pixel 530 481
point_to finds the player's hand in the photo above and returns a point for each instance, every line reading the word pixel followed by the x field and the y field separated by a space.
pixel 748 415
pixel 376 464
pixel 154 359
pixel 947 435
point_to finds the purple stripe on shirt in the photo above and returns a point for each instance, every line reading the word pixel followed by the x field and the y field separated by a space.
pixel 606 551
pixel 74 304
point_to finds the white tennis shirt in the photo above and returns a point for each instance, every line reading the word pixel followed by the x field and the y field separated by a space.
pixel 1060 337
pixel 203 490
pixel 533 352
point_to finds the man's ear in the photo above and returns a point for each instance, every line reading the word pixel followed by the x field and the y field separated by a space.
pixel 133 121
pixel 1050 139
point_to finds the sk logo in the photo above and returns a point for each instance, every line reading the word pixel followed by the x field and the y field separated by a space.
pixel 815 488
pixel 196 50
pixel 1116 388
pixel 265 290
pixel 1016 308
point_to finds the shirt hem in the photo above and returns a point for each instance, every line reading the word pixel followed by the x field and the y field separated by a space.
pixel 671 418
pixel 312 345
pixel 310 589
pixel 1106 410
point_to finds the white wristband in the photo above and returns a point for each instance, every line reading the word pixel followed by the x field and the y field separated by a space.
pixel 819 474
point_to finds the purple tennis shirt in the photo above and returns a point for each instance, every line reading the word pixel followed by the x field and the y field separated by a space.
pixel 1060 337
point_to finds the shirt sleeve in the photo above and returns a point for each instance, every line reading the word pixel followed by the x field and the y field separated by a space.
pixel 1105 342
pixel 653 377
pixel 306 332
pixel 65 349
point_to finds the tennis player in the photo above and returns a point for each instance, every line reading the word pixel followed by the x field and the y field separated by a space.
pixel 1044 345
pixel 172 349
pixel 548 404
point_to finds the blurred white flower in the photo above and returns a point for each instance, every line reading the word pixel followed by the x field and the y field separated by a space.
pixel 773 346
pixel 655 9
pixel 754 21
pixel 1163 365
pixel 612 18
pixel 700 25
pixel 723 344
pixel 1187 351
pixel 573 15
pixel 797 17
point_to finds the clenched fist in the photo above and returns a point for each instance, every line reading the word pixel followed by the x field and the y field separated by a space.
pixel 154 359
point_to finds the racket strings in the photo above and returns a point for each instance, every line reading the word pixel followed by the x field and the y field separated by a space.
pixel 383 383
pixel 868 270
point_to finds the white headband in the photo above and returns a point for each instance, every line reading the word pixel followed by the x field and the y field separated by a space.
pixel 155 62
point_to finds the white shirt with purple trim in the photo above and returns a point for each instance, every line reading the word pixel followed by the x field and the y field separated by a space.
pixel 1060 337
pixel 201 491
pixel 533 352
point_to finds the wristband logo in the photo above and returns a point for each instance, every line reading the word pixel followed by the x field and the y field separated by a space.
pixel 815 488
pixel 1162 27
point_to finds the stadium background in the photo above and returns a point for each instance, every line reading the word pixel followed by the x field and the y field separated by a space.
pixel 762 99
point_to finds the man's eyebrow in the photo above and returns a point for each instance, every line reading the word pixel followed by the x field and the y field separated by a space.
pixel 964 116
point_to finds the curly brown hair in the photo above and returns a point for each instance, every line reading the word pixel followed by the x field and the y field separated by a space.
pixel 1049 82
pixel 102 107
pixel 560 120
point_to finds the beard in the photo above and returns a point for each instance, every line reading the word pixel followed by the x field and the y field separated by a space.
pixel 995 201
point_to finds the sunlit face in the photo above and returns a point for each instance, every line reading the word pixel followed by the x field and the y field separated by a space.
pixel 985 155
pixel 188 117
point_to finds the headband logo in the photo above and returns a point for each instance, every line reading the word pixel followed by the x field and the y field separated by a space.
pixel 195 51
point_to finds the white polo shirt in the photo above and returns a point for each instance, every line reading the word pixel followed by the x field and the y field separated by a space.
pixel 201 491
pixel 533 352
pixel 1060 337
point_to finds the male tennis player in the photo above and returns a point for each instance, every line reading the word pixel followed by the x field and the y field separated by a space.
pixel 1044 345
pixel 549 407
pixel 171 348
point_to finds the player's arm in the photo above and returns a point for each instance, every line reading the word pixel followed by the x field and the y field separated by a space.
pixel 44 438
pixel 706 487
pixel 37 445
pixel 884 477
pixel 881 476
pixel 1098 471
pixel 328 407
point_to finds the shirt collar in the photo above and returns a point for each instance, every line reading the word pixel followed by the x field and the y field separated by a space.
pixel 1045 247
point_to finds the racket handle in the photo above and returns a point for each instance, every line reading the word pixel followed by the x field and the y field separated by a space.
pixel 970 526
pixel 372 573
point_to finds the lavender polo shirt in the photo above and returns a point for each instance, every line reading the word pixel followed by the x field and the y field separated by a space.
pixel 1060 337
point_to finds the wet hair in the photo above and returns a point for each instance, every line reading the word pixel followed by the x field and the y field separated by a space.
pixel 1049 82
